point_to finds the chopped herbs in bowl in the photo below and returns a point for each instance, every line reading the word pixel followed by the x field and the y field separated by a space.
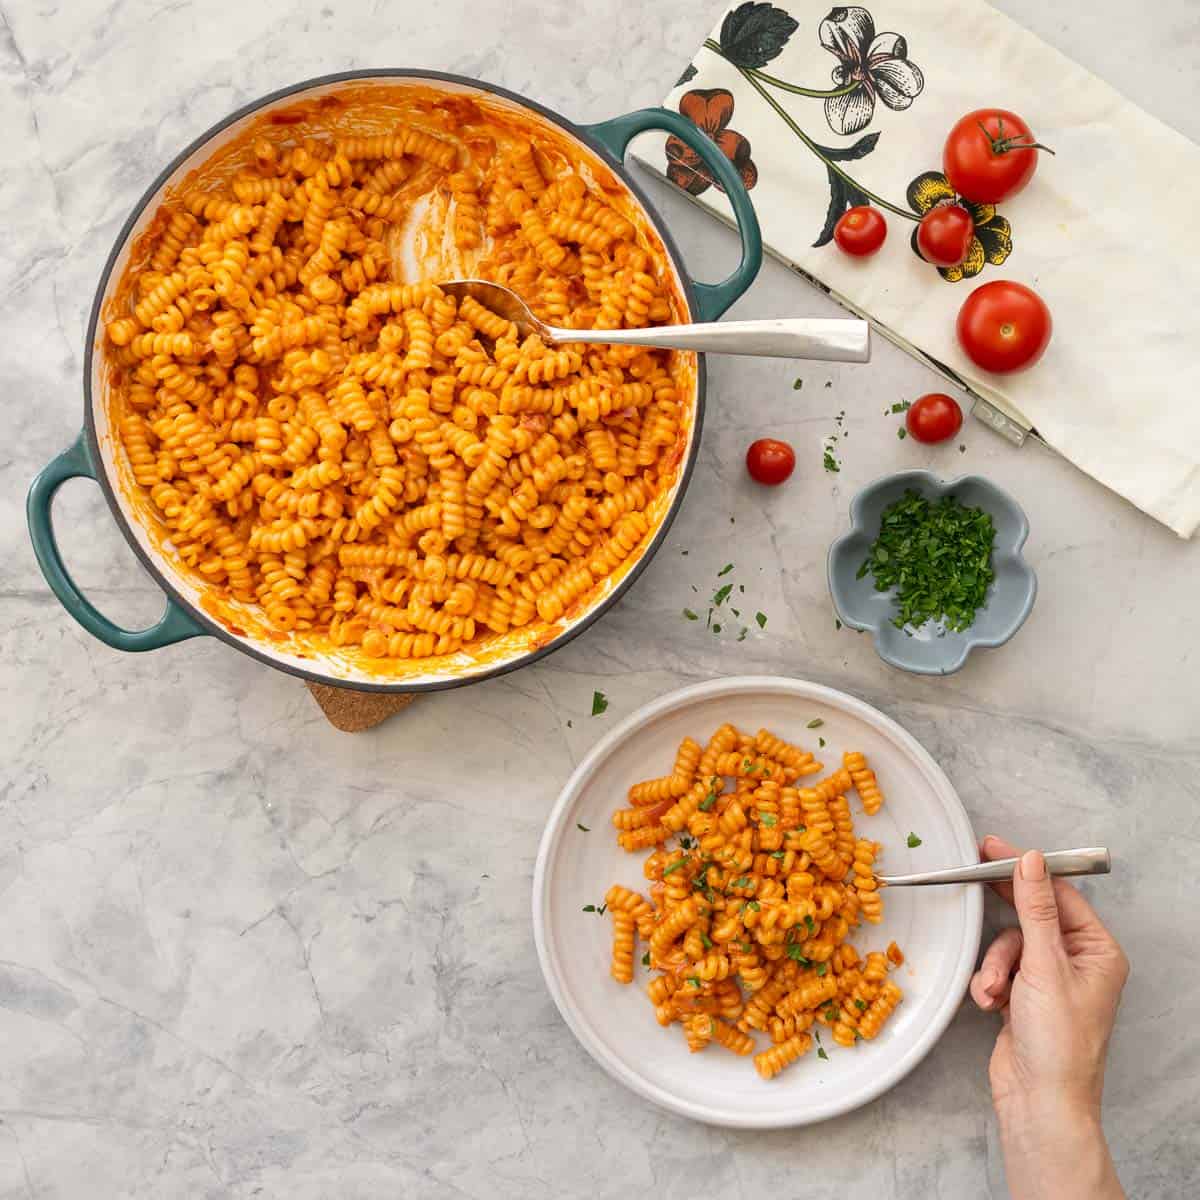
pixel 938 557
pixel 932 569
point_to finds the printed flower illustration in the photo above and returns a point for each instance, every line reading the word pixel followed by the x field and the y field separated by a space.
pixel 869 65
pixel 710 109
pixel 993 234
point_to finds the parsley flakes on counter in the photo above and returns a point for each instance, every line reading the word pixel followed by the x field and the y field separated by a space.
pixel 937 556
pixel 599 703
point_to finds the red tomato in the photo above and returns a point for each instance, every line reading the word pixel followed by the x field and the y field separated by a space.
pixel 860 230
pixel 1004 326
pixel 770 461
pixel 945 234
pixel 990 155
pixel 934 418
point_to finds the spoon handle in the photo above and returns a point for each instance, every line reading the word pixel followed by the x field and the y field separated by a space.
pixel 828 339
pixel 1088 860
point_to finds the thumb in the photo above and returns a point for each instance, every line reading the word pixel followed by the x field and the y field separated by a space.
pixel 1037 910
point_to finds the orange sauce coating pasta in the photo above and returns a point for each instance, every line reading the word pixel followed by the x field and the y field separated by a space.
pixel 749 915
pixel 344 455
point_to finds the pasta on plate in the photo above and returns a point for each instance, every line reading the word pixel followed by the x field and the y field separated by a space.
pixel 749 915
pixel 349 456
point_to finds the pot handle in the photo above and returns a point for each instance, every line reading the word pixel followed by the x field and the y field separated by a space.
pixel 616 134
pixel 175 625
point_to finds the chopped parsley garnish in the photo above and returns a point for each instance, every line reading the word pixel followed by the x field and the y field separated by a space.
pixel 725 570
pixel 716 627
pixel 694 981
pixel 779 854
pixel 585 828
pixel 937 556
pixel 837 624
pixel 815 723
pixel 570 724
pixel 740 882
pixel 822 970
pixel 808 920
pixel 705 939
pixel 593 909
pixel 684 553
pixel 902 433
pixel 962 449
pixel 691 616
pixel 913 841
pixel 679 862
pixel 829 383
pixel 708 620
pixel 589 908
pixel 901 406
pixel 767 819
pixel 831 1013
pixel 821 1053
pixel 741 637
pixel 821 742
pixel 685 842
pixel 860 1004
pixel 761 618
pixel 734 611
pixel 599 703
pixel 829 462
pixel 646 956
pixel 708 801
pixel 797 385
pixel 797 955
pixel 755 906
pixel 722 594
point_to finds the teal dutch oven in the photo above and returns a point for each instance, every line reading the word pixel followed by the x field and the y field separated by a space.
pixel 94 453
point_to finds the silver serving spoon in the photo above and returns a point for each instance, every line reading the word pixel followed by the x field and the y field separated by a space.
pixel 822 338
pixel 1089 860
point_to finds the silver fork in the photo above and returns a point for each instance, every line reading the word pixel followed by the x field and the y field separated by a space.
pixel 822 338
pixel 1088 860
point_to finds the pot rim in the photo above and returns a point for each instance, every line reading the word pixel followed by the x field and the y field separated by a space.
pixel 246 645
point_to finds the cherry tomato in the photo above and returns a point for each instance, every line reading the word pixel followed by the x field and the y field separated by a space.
pixel 934 418
pixel 770 461
pixel 945 234
pixel 990 155
pixel 860 230
pixel 1004 326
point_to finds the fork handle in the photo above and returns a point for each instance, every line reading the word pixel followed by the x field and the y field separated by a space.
pixel 827 339
pixel 1088 860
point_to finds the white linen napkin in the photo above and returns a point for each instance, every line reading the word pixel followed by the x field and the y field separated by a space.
pixel 1103 232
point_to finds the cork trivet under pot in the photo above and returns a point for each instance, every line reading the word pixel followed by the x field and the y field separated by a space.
pixel 352 711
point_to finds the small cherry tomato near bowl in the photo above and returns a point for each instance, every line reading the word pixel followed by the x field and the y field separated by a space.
pixel 770 461
pixel 945 234
pixel 989 155
pixel 934 418
pixel 1004 326
pixel 860 230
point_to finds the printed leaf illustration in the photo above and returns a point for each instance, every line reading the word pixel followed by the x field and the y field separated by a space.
pixel 689 73
pixel 842 193
pixel 753 34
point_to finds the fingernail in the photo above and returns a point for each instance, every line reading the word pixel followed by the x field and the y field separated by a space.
pixel 1033 866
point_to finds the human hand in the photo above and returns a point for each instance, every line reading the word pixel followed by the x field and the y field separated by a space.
pixel 1056 979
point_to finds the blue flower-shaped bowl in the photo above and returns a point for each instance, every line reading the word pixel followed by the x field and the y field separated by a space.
pixel 932 650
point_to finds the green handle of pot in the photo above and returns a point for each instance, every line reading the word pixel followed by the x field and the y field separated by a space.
pixel 615 136
pixel 175 625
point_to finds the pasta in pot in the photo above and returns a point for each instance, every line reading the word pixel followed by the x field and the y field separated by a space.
pixel 749 916
pixel 352 454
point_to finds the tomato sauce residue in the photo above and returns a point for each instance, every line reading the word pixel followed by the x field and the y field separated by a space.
pixel 479 124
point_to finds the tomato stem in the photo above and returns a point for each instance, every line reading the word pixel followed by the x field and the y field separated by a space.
pixel 1002 145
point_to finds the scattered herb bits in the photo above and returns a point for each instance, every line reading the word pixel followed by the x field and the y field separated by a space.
pixel 599 703
pixel 913 841
pixel 761 618
pixel 815 723
pixel 691 616
pixel 938 557
pixel 585 828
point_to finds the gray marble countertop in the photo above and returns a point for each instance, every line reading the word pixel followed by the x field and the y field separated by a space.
pixel 244 955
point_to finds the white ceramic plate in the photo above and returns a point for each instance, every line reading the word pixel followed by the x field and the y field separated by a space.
pixel 937 928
